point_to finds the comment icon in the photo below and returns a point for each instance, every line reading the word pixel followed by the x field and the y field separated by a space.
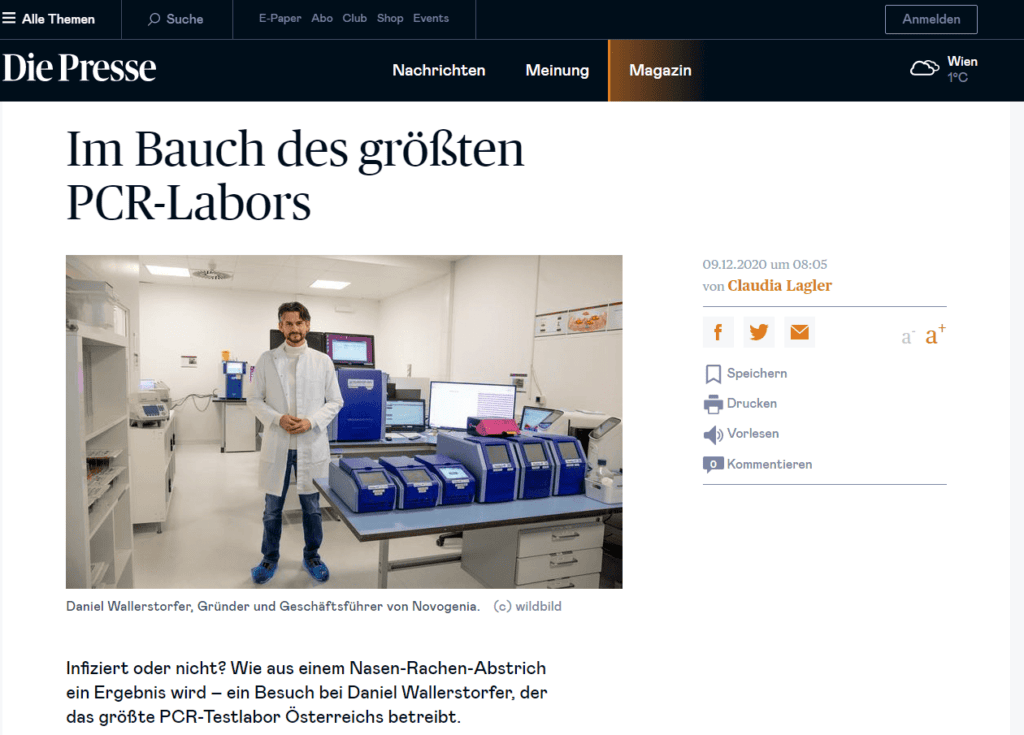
pixel 714 463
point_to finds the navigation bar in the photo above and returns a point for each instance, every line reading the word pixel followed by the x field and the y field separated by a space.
pixel 330 20
pixel 953 70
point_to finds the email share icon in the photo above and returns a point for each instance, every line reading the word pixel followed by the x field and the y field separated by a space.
pixel 801 332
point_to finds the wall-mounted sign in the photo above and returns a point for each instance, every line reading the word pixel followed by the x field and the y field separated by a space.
pixel 545 325
pixel 600 318
pixel 591 319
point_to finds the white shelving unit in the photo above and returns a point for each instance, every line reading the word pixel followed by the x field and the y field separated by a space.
pixel 99 522
pixel 151 449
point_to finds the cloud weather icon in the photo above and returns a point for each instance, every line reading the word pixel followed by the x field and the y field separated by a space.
pixel 924 68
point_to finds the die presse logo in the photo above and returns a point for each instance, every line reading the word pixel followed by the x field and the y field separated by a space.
pixel 70 68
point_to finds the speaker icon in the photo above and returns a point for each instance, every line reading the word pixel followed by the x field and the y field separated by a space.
pixel 714 435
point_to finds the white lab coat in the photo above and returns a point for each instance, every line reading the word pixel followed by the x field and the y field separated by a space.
pixel 317 398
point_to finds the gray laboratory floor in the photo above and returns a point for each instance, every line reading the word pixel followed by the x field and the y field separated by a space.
pixel 212 537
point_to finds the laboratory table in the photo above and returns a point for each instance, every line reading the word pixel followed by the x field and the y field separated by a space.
pixel 387 525
pixel 409 445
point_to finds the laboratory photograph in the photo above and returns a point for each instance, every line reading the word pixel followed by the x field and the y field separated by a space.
pixel 344 422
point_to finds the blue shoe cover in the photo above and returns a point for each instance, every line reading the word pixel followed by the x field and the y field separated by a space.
pixel 316 568
pixel 262 572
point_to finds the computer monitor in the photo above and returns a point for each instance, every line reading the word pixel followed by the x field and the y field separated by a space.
pixel 405 415
pixel 451 404
pixel 350 350
pixel 535 419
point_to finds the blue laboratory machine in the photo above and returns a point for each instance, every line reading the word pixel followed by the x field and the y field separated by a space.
pixel 417 488
pixel 361 419
pixel 234 371
pixel 570 463
pixel 457 485
pixel 362 484
pixel 538 468
pixel 491 461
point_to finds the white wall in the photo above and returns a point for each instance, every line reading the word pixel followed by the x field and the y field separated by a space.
pixel 579 370
pixel 492 323
pixel 182 320
pixel 571 282
pixel 413 330
pixel 495 301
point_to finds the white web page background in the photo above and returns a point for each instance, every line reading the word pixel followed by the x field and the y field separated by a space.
pixel 768 609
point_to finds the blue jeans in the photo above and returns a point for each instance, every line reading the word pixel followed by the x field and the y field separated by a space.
pixel 312 524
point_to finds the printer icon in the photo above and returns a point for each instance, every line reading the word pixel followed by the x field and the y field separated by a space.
pixel 713 404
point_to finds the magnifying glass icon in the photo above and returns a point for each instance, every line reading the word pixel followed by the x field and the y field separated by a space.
pixel 153 18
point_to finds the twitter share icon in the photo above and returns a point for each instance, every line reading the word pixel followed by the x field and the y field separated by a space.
pixel 758 332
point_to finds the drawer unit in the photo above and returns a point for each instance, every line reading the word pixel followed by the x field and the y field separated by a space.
pixel 555 566
pixel 562 556
pixel 552 540
pixel 583 582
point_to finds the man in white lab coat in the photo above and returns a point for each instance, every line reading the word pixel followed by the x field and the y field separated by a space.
pixel 296 396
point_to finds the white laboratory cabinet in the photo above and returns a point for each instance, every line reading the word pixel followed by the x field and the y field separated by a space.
pixel 537 555
pixel 151 451
pixel 238 425
pixel 98 511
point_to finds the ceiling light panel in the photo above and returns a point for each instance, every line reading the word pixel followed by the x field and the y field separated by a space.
pixel 336 285
pixel 166 270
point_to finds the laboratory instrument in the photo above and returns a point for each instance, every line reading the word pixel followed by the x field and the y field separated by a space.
pixel 362 484
pixel 483 426
pixel 457 485
pixel 606 443
pixel 538 468
pixel 570 466
pixel 490 461
pixel 154 390
pixel 417 488
pixel 577 424
pixel 234 371
pixel 146 411
pixel 362 415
